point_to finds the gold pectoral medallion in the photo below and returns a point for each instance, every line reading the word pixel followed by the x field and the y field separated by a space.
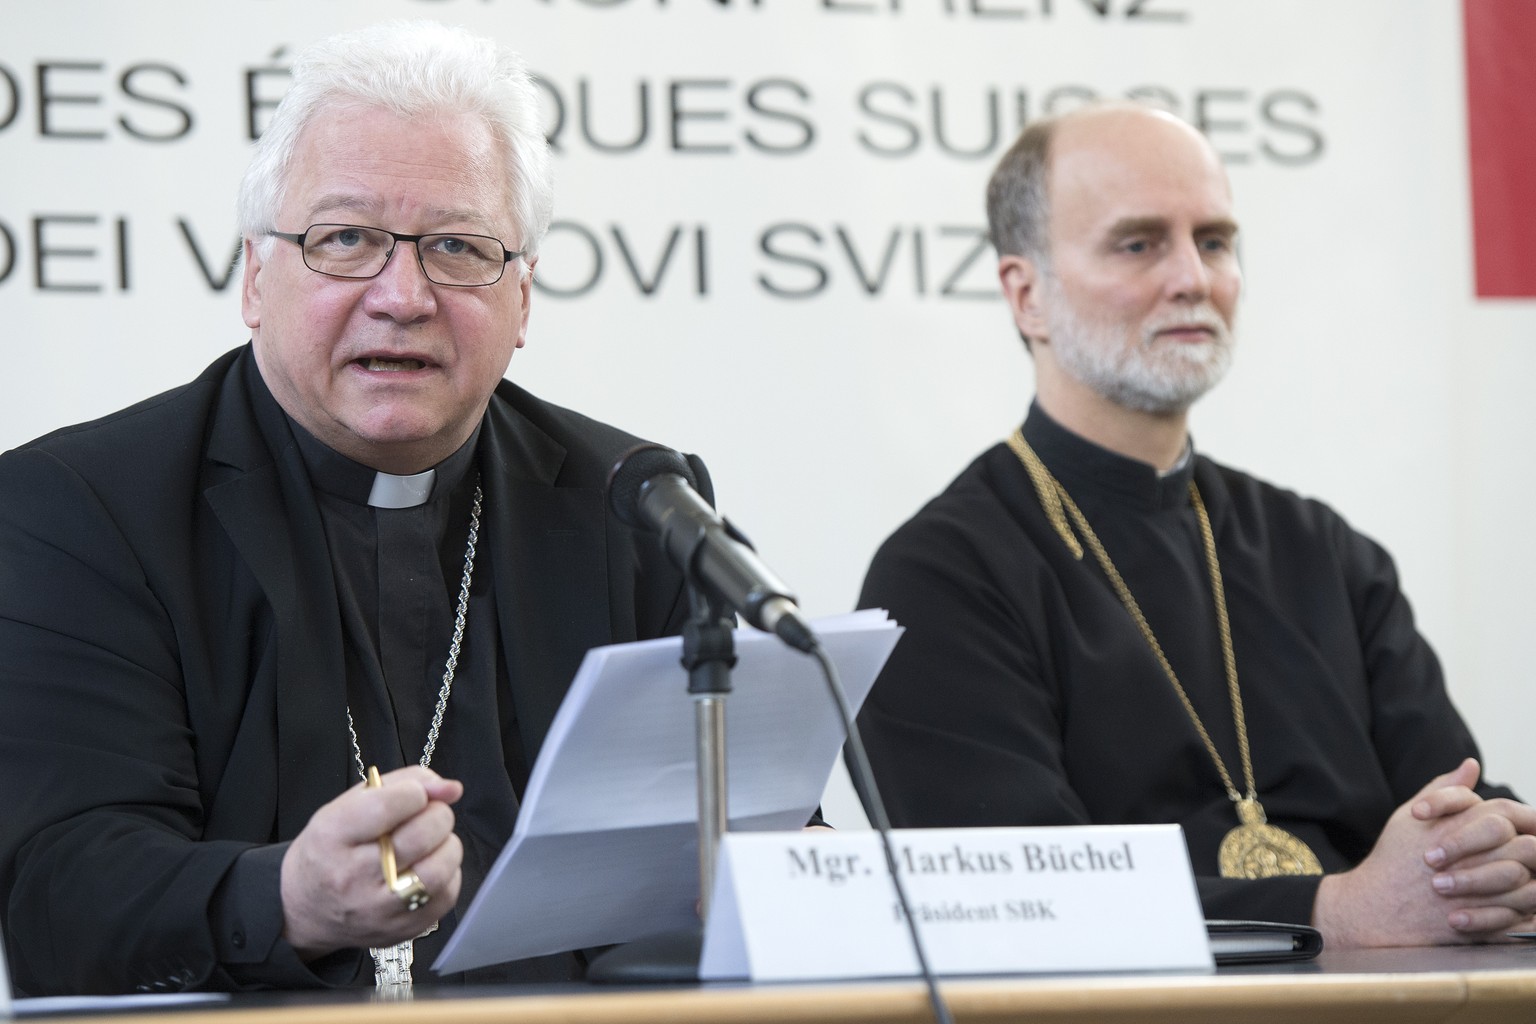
pixel 1257 849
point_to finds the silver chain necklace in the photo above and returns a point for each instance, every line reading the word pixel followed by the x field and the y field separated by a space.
pixel 392 964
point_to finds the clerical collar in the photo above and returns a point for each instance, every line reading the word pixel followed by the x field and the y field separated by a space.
pixel 1185 458
pixel 392 491
pixel 1083 466
pixel 333 473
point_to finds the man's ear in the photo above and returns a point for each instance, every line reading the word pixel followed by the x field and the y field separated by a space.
pixel 526 287
pixel 1023 288
pixel 250 287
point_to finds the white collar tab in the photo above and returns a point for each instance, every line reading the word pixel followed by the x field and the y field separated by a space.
pixel 391 491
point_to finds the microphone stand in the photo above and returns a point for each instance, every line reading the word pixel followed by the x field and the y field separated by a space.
pixel 709 654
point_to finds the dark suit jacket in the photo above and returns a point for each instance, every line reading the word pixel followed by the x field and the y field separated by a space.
pixel 171 662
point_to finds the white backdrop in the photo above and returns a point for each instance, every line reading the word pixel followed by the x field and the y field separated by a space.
pixel 767 250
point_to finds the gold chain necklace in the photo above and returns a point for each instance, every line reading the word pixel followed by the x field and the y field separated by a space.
pixel 1255 848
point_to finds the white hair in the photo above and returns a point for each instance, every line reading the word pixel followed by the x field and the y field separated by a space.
pixel 411 68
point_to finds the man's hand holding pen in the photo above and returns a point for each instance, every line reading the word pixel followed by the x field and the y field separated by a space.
pixel 335 886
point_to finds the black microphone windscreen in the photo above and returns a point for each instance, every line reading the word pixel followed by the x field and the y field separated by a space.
pixel 633 469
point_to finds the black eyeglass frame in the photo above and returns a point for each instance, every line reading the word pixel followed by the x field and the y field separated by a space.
pixel 297 238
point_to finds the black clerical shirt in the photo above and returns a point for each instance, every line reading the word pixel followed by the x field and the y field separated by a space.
pixel 397 574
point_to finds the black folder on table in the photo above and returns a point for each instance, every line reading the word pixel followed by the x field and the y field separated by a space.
pixel 1262 942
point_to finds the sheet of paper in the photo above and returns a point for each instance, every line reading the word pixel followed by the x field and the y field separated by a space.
pixel 605 847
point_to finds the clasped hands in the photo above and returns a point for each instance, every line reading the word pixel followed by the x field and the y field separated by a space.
pixel 332 882
pixel 1449 867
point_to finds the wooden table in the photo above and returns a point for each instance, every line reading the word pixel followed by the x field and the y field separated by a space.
pixel 1472 985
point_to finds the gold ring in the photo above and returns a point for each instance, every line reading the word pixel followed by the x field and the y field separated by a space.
pixel 411 892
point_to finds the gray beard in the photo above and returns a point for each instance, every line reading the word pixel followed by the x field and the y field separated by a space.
pixel 1147 376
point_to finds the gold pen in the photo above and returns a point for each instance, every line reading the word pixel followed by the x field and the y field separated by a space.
pixel 386 848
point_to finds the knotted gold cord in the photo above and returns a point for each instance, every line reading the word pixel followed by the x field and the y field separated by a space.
pixel 1255 849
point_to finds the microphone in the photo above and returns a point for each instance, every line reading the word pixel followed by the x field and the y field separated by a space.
pixel 653 488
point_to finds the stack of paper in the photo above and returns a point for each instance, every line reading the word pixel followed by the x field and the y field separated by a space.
pixel 605 847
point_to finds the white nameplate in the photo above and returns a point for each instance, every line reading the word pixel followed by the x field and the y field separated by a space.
pixel 820 905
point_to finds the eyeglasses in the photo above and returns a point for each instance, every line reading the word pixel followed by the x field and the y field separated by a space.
pixel 358 253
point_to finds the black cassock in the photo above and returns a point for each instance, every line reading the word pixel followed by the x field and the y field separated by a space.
pixel 1023 693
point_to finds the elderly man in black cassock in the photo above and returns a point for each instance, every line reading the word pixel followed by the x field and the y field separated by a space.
pixel 347 544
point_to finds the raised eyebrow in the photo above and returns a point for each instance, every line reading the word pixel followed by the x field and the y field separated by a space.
pixel 480 226
pixel 1136 226
pixel 337 202
pixel 343 202
pixel 1222 228
pixel 1157 225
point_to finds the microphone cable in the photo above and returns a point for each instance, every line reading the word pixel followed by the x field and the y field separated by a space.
pixel 863 778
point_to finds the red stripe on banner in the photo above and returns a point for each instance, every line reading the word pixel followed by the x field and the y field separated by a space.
pixel 1501 137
